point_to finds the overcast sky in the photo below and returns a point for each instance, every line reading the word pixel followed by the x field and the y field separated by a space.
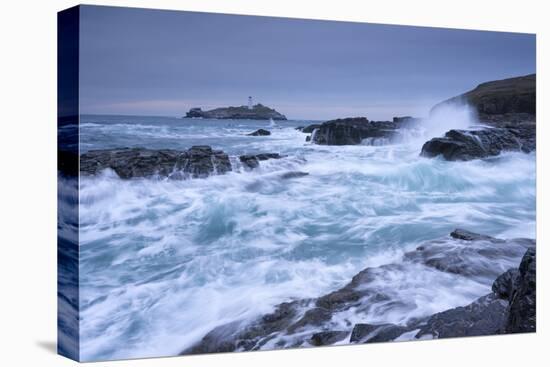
pixel 151 62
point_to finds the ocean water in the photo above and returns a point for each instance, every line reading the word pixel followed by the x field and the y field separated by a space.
pixel 163 262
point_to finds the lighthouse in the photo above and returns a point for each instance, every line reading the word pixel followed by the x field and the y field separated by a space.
pixel 249 103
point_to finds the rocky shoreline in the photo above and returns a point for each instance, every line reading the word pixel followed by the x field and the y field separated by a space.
pixel 355 130
pixel 509 308
pixel 197 162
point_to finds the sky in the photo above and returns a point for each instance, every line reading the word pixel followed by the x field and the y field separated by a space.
pixel 157 62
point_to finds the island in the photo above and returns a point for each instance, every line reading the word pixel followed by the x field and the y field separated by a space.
pixel 256 112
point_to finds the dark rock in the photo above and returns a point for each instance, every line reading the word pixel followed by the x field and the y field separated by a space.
pixel 257 112
pixel 299 128
pixel 328 337
pixel 197 162
pixel 314 317
pixel 485 316
pixel 249 161
pixel 367 333
pixel 239 335
pixel 503 286
pixel 523 303
pixel 463 145
pixel 501 99
pixel 352 131
pixel 343 298
pixel 219 340
pixel 260 132
pixel 293 174
pixel 195 113
pixel 308 138
pixel 253 160
pixel 309 129
pixel 202 161
pixel 462 234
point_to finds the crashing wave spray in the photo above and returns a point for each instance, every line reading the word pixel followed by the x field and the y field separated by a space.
pixel 443 118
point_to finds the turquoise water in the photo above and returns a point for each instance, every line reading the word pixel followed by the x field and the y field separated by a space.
pixel 164 262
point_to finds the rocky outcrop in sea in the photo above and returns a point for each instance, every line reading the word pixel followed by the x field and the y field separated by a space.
pixel 260 132
pixel 507 107
pixel 197 162
pixel 464 145
pixel 257 112
pixel 510 307
pixel 354 130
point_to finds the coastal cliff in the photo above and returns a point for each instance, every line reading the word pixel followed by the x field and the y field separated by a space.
pixel 506 100
pixel 257 112
pixel 508 106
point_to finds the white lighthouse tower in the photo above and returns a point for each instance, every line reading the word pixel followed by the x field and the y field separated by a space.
pixel 249 103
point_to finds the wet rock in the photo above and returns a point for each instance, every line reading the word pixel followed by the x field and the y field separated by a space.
pixel 249 161
pixel 293 174
pixel 260 132
pixel 309 129
pixel 485 316
pixel 523 303
pixel 504 285
pixel 462 234
pixel 197 162
pixel 327 337
pixel 202 161
pixel 367 333
pixel 308 138
pixel 219 340
pixel 314 317
pixel 253 160
pixel 246 336
pixel 352 131
pixel 464 145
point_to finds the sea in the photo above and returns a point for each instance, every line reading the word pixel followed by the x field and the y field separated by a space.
pixel 163 262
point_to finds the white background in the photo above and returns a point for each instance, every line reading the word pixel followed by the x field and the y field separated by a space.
pixel 28 181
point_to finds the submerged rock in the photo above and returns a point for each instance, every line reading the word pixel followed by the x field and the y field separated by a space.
pixel 253 160
pixel 470 254
pixel 260 132
pixel 197 162
pixel 463 145
pixel 293 174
